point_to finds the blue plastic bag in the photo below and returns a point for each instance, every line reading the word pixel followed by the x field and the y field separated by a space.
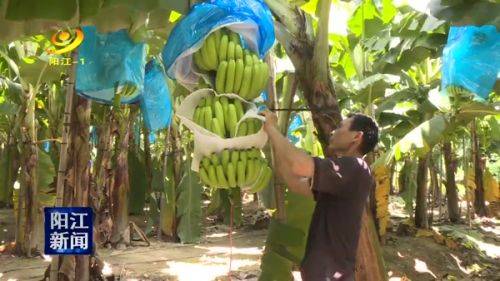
pixel 252 19
pixel 110 61
pixel 471 59
pixel 156 104
pixel 294 125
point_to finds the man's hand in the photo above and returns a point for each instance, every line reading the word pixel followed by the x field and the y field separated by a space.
pixel 271 120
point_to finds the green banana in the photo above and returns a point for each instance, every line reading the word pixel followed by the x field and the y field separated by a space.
pixel 250 127
pixel 259 169
pixel 250 172
pixel 230 50
pixel 198 60
pixel 202 102
pixel 219 114
pixel 248 60
pixel 257 125
pixel 240 173
pixel 242 129
pixel 246 83
pixel 212 176
pixel 263 180
pixel 256 82
pixel 257 153
pixel 235 156
pixel 238 52
pixel 224 102
pixel 220 79
pixel 205 56
pixel 209 100
pixel 212 52
pixel 244 156
pixel 224 41
pixel 214 100
pixel 204 177
pixel 234 37
pixel 196 116
pixel 221 178
pixel 238 75
pixel 239 109
pixel 214 159
pixel 217 35
pixel 208 118
pixel 225 157
pixel 231 175
pixel 216 127
pixel 201 118
pixel 205 162
pixel 230 76
pixel 264 70
pixel 256 59
pixel 250 153
pixel 231 115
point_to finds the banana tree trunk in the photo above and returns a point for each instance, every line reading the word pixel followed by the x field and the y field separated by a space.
pixel 148 161
pixel 272 102
pixel 402 177
pixel 434 192
pixel 451 186
pixel 120 233
pixel 103 172
pixel 168 223
pixel 28 214
pixel 11 156
pixel 63 161
pixel 392 172
pixel 479 204
pixel 78 181
pixel 421 204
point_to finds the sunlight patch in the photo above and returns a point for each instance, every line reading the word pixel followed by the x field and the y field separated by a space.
pixel 236 250
pixel 206 270
pixel 421 266
pixel 106 269
pixel 216 235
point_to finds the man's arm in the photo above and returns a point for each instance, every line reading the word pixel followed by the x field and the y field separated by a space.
pixel 294 183
pixel 299 162
pixel 292 164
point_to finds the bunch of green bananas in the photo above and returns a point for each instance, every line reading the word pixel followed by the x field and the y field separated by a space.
pixel 236 168
pixel 239 71
pixel 457 90
pixel 127 90
pixel 220 115
pixel 246 78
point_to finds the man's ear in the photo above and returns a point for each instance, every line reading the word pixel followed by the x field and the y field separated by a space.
pixel 359 136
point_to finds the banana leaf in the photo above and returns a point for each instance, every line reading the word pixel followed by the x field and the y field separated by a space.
pixel 189 206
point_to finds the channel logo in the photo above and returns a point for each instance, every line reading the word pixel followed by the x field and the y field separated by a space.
pixel 65 41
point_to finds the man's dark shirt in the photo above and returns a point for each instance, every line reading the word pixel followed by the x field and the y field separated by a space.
pixel 340 187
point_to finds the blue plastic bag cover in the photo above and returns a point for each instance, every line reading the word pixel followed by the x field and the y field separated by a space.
pixel 109 59
pixel 252 19
pixel 471 59
pixel 156 104
pixel 294 125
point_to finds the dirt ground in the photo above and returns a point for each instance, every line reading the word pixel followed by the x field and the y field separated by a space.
pixel 406 256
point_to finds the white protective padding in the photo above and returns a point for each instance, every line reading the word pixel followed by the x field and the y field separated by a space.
pixel 206 142
pixel 184 70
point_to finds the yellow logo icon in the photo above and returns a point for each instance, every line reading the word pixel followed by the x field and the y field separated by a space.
pixel 65 41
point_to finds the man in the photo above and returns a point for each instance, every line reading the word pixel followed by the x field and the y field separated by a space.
pixel 340 186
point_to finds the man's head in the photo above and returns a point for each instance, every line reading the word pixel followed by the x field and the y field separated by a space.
pixel 358 134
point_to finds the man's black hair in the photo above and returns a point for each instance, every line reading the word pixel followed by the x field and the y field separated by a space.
pixel 367 125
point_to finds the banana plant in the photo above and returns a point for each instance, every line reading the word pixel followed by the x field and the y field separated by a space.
pixel 29 68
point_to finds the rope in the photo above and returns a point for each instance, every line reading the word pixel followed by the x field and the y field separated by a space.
pixel 230 240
